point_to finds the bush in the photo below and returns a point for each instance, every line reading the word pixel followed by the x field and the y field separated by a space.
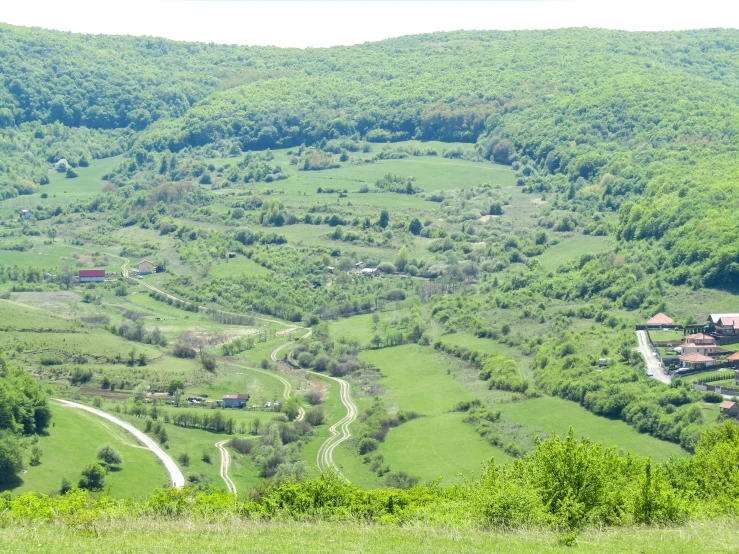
pixel 315 417
pixel 184 459
pixel 401 480
pixel 93 477
pixel 242 446
pixel 109 455
pixel 314 396
pixel 367 445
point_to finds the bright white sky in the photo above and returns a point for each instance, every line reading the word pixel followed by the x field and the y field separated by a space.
pixel 310 23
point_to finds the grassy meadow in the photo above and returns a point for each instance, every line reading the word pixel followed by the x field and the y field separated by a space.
pixel 151 535
pixel 73 442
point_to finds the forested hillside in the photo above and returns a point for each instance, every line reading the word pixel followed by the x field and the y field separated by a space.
pixel 641 124
pixel 457 230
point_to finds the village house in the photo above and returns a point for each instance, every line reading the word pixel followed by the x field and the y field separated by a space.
pixel 659 321
pixel 91 275
pixel 733 359
pixel 25 214
pixel 726 325
pixel 695 361
pixel 145 267
pixel 699 343
pixel 729 408
pixel 235 400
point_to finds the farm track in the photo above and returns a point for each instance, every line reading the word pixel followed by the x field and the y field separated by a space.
pixel 225 463
pixel 339 431
pixel 176 477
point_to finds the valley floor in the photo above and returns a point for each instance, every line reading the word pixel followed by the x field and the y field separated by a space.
pixel 267 538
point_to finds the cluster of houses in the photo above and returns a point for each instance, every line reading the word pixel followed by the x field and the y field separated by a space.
pixel 701 350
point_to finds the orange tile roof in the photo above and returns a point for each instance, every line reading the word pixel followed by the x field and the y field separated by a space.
pixel 700 336
pixel 661 319
pixel 734 357
pixel 695 357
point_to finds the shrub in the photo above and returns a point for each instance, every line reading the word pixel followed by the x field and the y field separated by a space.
pixel 109 455
pixel 93 477
pixel 367 445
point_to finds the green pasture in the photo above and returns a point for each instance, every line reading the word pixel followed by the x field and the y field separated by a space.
pixel 418 378
pixel 53 256
pixel 440 446
pixel 73 442
pixel 572 248
pixel 238 266
pixel 545 415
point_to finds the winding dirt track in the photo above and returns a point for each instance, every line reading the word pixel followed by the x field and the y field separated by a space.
pixel 176 477
pixel 339 431
pixel 225 463
pixel 325 458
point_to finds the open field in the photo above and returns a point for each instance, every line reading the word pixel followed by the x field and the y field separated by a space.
pixel 418 379
pixel 547 414
pixel 165 535
pixel 73 442
pixel 441 446
pixel 572 248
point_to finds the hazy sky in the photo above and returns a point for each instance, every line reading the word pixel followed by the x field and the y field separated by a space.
pixel 310 23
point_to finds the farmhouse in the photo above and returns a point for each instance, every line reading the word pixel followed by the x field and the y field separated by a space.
pixel 92 275
pixel 700 343
pixel 729 408
pixel 727 325
pixel 660 320
pixel 25 214
pixel 235 400
pixel 146 267
pixel 695 361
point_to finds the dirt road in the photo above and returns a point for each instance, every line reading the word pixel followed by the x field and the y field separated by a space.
pixel 653 363
pixel 176 477
pixel 225 463
pixel 326 452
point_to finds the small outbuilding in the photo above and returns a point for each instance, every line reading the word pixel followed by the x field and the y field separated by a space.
pixel 235 400
pixel 25 214
pixel 729 408
pixel 92 275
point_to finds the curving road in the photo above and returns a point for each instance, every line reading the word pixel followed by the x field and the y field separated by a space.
pixel 225 463
pixel 325 457
pixel 176 477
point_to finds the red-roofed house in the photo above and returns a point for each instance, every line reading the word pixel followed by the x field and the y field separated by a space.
pixel 92 275
pixel 699 338
pixel 705 349
pixel 733 359
pixel 695 361
pixel 728 325
pixel 660 320
pixel 235 400
pixel 729 408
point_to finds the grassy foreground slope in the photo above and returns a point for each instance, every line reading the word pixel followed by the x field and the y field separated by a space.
pixel 73 442
pixel 187 536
